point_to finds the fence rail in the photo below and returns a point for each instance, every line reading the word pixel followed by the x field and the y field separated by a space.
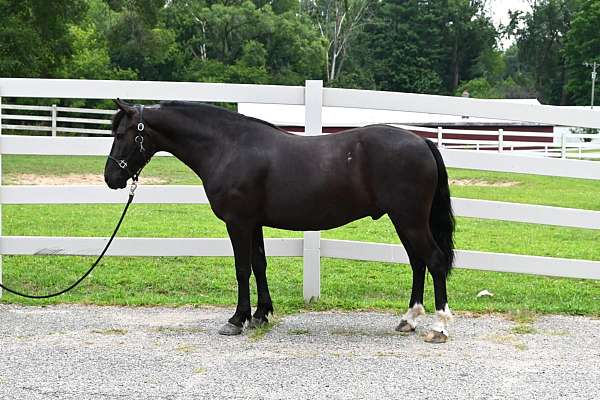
pixel 574 145
pixel 311 247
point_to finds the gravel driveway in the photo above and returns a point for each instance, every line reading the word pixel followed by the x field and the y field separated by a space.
pixel 89 352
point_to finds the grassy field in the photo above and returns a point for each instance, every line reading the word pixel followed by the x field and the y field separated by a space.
pixel 346 284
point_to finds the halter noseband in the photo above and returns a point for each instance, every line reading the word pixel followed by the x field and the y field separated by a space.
pixel 139 139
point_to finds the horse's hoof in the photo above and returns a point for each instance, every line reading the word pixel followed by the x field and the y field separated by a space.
pixel 230 329
pixel 257 322
pixel 436 337
pixel 405 327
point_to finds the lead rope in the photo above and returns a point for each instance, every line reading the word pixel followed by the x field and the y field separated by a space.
pixel 46 296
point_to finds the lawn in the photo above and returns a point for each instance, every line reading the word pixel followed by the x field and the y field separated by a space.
pixel 345 284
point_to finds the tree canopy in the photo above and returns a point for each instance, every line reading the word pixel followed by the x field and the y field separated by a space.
pixel 424 46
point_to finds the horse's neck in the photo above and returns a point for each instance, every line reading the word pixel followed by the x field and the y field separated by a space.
pixel 199 150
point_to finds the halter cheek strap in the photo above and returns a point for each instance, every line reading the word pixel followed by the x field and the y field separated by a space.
pixel 139 139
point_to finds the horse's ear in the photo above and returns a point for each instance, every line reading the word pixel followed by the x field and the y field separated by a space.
pixel 124 106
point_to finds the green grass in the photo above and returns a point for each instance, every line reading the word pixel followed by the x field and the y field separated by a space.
pixel 346 284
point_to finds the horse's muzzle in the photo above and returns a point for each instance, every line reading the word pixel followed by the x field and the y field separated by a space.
pixel 116 180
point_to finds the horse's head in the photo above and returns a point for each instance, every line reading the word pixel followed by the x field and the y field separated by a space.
pixel 131 149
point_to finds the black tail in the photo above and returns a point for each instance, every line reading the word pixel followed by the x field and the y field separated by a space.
pixel 441 220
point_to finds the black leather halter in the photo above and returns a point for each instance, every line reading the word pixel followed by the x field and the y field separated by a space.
pixel 139 139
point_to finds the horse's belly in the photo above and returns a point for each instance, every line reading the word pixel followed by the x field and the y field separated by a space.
pixel 311 216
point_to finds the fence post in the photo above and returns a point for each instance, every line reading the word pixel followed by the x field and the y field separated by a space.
pixel 563 145
pixel 53 119
pixel 313 125
pixel 440 137
pixel 500 140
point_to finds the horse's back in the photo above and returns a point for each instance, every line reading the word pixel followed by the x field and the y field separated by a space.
pixel 342 177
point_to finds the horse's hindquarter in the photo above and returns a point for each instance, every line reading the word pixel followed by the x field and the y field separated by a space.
pixel 323 182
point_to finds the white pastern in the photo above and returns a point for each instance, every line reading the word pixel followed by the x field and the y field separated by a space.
pixel 412 314
pixel 442 319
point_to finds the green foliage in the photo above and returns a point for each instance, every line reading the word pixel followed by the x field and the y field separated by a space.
pixel 541 38
pixel 244 41
pixel 34 36
pixel 439 47
pixel 426 47
pixel 583 46
pixel 478 88
pixel 90 59
pixel 139 42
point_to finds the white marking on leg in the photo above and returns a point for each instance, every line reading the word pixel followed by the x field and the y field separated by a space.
pixel 442 319
pixel 412 314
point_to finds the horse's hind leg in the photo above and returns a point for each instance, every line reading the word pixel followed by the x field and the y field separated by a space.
pixel 408 323
pixel 259 267
pixel 424 247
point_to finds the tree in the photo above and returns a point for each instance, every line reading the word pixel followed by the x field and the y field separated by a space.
pixel 339 22
pixel 583 46
pixel 541 37
pixel 34 36
pixel 236 41
pixel 471 41
pixel 425 46
pixel 139 41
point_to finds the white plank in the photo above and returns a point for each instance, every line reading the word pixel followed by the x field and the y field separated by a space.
pixel 58 146
pixel 529 213
pixel 366 251
pixel 25 107
pixel 40 245
pixel 489 161
pixel 195 194
pixel 26 128
pixel 517 163
pixel 48 145
pixel 86 110
pixel 85 120
pixel 97 194
pixel 84 130
pixel 26 117
pixel 548 266
pixel 154 247
pixel 424 103
pixel 147 90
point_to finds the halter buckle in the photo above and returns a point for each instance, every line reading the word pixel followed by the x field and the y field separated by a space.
pixel 140 139
pixel 132 187
pixel 122 164
pixel 140 127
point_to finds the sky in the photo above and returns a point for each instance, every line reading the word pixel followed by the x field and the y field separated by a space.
pixel 499 11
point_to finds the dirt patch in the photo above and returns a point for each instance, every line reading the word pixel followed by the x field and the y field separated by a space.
pixel 481 182
pixel 70 179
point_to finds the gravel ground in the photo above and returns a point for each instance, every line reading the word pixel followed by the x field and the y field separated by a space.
pixel 89 352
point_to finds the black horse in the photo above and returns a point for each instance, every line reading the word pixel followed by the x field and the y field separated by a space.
pixel 256 175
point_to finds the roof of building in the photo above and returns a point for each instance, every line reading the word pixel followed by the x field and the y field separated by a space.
pixel 293 115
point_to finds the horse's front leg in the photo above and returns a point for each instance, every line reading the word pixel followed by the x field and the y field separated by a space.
pixel 241 240
pixel 259 268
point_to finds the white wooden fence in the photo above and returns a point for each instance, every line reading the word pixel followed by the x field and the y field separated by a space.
pixel 97 123
pixel 311 247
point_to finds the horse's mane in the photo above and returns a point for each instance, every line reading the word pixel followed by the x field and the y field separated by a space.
pixel 208 107
pixel 220 110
